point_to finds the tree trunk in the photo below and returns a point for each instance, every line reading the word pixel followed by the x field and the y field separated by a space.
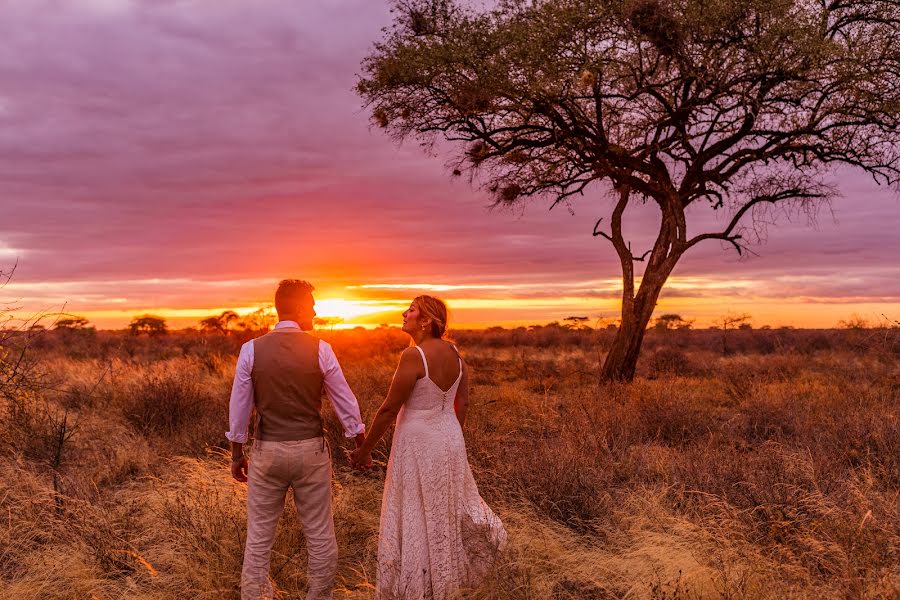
pixel 621 362
pixel 637 308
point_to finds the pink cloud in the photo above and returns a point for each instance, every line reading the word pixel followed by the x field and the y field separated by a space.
pixel 222 140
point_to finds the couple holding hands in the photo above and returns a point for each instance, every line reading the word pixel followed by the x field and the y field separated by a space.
pixel 436 534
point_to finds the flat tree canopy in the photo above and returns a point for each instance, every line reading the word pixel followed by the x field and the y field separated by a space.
pixel 736 105
pixel 148 324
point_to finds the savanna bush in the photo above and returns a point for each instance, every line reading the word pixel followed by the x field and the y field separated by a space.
pixel 670 361
pixel 172 407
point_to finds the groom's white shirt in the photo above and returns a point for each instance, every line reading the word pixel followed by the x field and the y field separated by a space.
pixel 342 399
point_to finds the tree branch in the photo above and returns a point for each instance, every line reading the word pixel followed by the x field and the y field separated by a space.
pixel 601 233
pixel 728 234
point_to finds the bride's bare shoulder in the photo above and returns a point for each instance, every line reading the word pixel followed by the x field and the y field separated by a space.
pixel 410 353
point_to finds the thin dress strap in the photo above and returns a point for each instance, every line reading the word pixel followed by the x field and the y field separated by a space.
pixel 425 362
pixel 458 359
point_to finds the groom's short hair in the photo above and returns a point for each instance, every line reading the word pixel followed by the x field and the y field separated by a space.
pixel 289 294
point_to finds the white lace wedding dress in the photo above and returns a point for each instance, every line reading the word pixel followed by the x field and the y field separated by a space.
pixel 437 534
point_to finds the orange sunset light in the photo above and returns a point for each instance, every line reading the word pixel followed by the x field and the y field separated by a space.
pixel 351 310
pixel 112 305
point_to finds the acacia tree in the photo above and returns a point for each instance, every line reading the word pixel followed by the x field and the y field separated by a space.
pixel 670 321
pixel 740 106
pixel 222 323
pixel 149 324
pixel 72 323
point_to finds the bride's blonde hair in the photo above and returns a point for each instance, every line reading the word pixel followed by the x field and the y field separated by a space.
pixel 436 310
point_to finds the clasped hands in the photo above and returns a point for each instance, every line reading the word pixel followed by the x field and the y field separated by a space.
pixel 361 458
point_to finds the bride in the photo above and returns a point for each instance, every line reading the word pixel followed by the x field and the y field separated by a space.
pixel 437 534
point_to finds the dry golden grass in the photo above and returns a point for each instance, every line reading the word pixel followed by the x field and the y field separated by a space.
pixel 772 472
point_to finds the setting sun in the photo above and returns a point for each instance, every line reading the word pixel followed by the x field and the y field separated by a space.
pixel 352 310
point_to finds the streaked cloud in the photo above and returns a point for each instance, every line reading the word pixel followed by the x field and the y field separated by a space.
pixel 184 155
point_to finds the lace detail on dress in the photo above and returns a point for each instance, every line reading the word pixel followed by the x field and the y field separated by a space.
pixel 437 534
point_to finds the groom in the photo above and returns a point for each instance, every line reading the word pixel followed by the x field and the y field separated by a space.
pixel 283 374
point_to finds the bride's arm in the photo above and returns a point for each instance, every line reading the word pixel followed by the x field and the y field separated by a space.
pixel 462 396
pixel 405 377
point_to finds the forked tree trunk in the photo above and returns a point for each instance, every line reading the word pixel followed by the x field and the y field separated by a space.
pixel 637 308
pixel 621 362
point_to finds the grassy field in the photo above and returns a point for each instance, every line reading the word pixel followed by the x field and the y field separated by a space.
pixel 762 464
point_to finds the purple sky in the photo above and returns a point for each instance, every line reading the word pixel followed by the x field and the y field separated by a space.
pixel 164 155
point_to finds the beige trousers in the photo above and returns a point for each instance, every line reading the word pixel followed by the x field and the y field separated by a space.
pixel 305 466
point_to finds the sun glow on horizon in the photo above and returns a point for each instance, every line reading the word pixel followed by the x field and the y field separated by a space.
pixel 184 302
pixel 349 310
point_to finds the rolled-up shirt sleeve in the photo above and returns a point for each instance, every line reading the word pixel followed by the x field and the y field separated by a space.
pixel 241 404
pixel 342 399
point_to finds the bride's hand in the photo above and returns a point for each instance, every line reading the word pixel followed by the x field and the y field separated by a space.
pixel 360 459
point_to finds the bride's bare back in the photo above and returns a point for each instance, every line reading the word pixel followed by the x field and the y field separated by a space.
pixel 443 362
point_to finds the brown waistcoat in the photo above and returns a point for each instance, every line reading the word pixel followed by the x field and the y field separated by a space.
pixel 287 386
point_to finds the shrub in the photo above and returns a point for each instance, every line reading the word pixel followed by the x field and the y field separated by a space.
pixel 175 408
pixel 671 361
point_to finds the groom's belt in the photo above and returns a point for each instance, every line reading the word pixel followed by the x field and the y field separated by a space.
pixel 288 437
pixel 276 430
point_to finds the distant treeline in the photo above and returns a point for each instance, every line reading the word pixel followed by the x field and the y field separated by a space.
pixel 87 342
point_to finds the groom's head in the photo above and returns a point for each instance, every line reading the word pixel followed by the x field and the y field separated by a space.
pixel 294 302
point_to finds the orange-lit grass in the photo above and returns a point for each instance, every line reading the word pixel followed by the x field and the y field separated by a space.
pixel 749 476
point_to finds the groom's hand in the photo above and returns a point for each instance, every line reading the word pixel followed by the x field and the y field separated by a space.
pixel 239 469
pixel 360 460
pixel 354 456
